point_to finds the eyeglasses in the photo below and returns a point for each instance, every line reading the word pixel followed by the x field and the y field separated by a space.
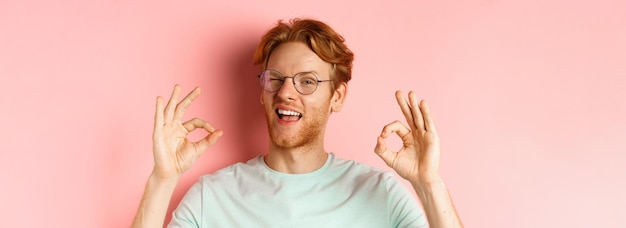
pixel 305 82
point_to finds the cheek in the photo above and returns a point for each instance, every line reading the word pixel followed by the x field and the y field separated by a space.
pixel 266 99
pixel 321 106
pixel 261 99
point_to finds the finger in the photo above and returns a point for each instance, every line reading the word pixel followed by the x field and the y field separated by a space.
pixel 210 139
pixel 404 106
pixel 381 145
pixel 399 129
pixel 196 123
pixel 158 114
pixel 182 106
pixel 383 152
pixel 418 120
pixel 171 104
pixel 428 118
pixel 212 136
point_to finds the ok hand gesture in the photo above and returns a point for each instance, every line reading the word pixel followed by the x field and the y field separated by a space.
pixel 173 152
pixel 418 159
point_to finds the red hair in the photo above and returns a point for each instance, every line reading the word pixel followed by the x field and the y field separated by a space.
pixel 320 38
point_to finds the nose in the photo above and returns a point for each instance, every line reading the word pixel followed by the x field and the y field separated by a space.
pixel 288 90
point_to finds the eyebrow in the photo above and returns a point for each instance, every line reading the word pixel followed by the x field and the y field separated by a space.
pixel 309 71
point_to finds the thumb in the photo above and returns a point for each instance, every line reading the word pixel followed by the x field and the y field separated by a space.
pixel 383 152
pixel 210 139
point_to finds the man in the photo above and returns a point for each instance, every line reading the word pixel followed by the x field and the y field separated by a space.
pixel 306 68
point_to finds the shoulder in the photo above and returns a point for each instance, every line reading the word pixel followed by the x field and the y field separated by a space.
pixel 384 186
pixel 360 172
pixel 355 166
pixel 234 171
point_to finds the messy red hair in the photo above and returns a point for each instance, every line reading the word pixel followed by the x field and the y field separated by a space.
pixel 320 37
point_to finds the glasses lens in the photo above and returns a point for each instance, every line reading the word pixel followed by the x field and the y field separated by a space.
pixel 306 83
pixel 271 80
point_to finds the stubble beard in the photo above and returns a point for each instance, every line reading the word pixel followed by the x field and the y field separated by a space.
pixel 308 134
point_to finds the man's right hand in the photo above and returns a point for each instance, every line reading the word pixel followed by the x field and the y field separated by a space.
pixel 173 152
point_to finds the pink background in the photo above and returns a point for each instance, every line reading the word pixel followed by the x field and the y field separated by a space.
pixel 528 97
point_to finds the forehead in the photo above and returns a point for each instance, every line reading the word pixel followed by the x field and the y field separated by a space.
pixel 294 57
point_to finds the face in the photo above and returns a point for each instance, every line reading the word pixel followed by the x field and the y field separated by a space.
pixel 295 120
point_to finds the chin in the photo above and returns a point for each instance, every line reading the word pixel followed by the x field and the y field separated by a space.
pixel 287 141
pixel 306 134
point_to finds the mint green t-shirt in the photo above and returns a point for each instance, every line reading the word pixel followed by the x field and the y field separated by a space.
pixel 340 194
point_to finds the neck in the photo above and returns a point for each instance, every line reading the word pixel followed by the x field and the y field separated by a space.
pixel 296 161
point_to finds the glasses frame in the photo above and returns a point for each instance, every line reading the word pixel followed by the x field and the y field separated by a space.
pixel 293 81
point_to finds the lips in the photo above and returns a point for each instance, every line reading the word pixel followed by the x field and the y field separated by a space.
pixel 288 115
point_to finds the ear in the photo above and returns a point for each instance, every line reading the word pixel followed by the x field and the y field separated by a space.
pixel 339 97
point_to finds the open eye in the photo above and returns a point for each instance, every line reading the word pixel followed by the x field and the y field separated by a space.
pixel 307 80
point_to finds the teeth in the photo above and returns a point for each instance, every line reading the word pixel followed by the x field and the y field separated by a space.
pixel 288 113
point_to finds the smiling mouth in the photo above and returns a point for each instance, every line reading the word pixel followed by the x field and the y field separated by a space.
pixel 288 115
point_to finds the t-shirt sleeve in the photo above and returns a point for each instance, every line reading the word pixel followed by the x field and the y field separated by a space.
pixel 189 211
pixel 404 210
